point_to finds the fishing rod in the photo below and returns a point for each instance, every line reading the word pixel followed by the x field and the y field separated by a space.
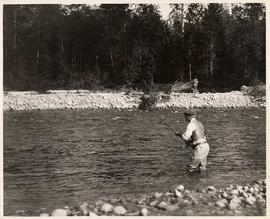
pixel 171 128
pixel 165 123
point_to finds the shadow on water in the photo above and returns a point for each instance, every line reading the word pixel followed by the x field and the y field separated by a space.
pixel 52 159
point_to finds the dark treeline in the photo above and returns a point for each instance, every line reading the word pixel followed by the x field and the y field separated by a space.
pixel 115 45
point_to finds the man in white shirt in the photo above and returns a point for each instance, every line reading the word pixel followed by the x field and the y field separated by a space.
pixel 194 136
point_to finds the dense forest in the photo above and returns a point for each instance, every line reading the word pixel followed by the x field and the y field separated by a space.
pixel 121 45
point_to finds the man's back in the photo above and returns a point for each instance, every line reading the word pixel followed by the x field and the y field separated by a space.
pixel 198 132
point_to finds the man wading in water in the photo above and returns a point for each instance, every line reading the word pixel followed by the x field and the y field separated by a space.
pixel 194 137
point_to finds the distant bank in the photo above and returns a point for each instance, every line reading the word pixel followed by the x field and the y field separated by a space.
pixel 84 99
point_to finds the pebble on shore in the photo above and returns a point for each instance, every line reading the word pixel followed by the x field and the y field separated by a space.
pixel 44 215
pixel 144 212
pixel 59 212
pixel 119 210
pixel 106 208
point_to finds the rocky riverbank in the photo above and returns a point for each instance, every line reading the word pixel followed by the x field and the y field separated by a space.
pixel 83 99
pixel 234 200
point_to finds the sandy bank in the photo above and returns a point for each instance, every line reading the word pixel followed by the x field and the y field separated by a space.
pixel 83 99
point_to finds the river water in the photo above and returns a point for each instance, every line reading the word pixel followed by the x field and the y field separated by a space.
pixel 58 158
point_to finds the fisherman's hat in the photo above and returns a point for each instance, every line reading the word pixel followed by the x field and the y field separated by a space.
pixel 190 112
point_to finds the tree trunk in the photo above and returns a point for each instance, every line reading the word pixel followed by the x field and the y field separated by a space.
pixel 125 46
pixel 97 65
pixel 190 77
pixel 38 43
pixel 19 69
pixel 80 67
pixel 206 69
pixel 212 54
pixel 180 72
pixel 140 52
pixel 189 66
pixel 15 30
pixel 125 54
pixel 62 58
pixel 112 59
pixel 16 59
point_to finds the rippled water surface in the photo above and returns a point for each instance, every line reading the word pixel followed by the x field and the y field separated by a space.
pixel 57 158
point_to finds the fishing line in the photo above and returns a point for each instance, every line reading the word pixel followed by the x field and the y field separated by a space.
pixel 165 123
pixel 172 129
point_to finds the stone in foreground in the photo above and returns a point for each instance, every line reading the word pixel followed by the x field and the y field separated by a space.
pixel 144 212
pixel 106 208
pixel 119 210
pixel 234 203
pixel 221 203
pixel 180 188
pixel 59 212
pixel 162 205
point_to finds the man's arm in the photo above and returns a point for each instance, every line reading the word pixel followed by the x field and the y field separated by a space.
pixel 186 137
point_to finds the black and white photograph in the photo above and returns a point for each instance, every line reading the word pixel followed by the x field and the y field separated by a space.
pixel 134 109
